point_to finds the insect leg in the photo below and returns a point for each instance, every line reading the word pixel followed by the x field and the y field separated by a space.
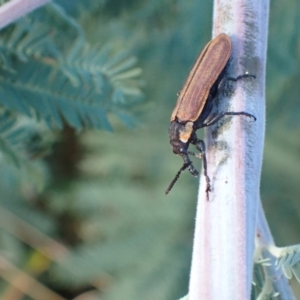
pixel 235 79
pixel 246 75
pixel 200 145
pixel 221 85
pixel 216 118
pixel 189 164
pixel 185 165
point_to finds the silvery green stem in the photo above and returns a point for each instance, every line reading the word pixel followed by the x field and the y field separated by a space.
pixel 222 261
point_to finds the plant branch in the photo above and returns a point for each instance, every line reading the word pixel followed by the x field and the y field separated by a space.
pixel 222 261
pixel 15 9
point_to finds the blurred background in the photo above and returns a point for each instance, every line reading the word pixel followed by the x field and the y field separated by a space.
pixel 86 93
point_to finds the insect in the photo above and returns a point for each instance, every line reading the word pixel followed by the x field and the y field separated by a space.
pixel 195 102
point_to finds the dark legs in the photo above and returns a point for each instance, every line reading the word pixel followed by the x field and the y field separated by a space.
pixel 216 118
pixel 221 87
pixel 200 145
pixel 223 81
pixel 246 75
pixel 185 165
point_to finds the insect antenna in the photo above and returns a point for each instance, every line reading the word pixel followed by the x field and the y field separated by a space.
pixel 185 165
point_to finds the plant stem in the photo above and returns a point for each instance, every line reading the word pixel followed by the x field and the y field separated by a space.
pixel 15 9
pixel 222 262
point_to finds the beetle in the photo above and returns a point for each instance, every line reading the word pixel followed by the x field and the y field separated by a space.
pixel 195 103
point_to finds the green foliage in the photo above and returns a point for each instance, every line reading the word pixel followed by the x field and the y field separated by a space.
pixel 57 77
pixel 289 261
pixel 99 198
pixel 20 142
pixel 121 238
pixel 262 288
pixel 274 263
pixel 18 137
pixel 51 75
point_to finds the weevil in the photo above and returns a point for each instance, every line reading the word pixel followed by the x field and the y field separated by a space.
pixel 195 102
